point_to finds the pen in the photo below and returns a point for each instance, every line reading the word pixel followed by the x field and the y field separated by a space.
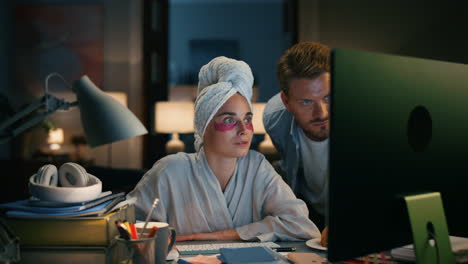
pixel 284 249
pixel 282 258
pixel 122 230
pixel 127 227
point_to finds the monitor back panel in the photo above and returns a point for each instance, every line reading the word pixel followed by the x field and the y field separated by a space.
pixel 399 125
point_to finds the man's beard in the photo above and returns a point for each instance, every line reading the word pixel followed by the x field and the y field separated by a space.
pixel 320 135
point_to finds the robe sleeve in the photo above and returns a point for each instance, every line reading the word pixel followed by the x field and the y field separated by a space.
pixel 283 216
pixel 147 190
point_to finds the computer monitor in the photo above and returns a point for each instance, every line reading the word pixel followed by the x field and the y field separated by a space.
pixel 399 126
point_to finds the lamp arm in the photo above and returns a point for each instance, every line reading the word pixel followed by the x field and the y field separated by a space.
pixel 30 108
pixel 51 104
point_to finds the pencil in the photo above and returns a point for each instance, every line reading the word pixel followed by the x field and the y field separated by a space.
pixel 133 231
pixel 149 216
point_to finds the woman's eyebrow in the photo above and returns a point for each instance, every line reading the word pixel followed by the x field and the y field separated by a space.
pixel 227 113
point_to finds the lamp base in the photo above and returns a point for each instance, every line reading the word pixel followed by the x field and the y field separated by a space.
pixel 175 144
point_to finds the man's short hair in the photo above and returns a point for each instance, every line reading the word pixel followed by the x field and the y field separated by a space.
pixel 302 60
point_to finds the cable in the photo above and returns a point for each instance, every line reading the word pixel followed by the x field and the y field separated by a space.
pixel 46 87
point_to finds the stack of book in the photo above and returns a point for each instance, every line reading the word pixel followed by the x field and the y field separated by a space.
pixel 51 232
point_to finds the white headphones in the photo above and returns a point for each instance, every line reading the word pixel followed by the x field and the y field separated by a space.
pixel 47 175
pixel 70 183
pixel 70 174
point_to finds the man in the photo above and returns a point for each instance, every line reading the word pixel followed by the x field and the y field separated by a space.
pixel 297 120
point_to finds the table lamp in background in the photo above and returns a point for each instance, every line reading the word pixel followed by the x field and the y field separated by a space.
pixel 266 146
pixel 55 138
pixel 174 118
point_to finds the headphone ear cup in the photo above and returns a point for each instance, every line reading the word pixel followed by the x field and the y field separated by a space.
pixel 73 175
pixel 47 175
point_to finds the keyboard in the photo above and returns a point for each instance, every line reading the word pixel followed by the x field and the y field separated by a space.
pixel 213 248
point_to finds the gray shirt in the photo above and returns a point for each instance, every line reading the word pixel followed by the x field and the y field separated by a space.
pixel 256 201
pixel 315 189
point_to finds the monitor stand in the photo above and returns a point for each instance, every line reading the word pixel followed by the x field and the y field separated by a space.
pixel 427 218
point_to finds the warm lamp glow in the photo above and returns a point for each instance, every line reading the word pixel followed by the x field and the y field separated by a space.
pixel 121 97
pixel 55 138
pixel 266 146
pixel 257 118
pixel 174 118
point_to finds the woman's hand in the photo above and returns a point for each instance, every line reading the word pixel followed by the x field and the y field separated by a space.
pixel 228 234
pixel 324 238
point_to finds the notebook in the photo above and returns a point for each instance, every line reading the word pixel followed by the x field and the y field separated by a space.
pixel 459 248
pixel 250 255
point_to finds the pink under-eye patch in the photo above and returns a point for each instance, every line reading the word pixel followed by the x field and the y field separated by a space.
pixel 249 126
pixel 224 127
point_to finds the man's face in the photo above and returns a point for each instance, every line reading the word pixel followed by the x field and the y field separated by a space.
pixel 309 101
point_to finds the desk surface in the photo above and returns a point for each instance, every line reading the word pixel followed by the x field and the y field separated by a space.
pixel 299 245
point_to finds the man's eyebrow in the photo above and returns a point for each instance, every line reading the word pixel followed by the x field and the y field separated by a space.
pixel 249 113
pixel 309 99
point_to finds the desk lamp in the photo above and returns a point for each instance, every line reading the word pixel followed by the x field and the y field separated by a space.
pixel 266 146
pixel 121 97
pixel 174 118
pixel 103 118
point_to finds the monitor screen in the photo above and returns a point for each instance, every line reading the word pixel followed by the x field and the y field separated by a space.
pixel 399 126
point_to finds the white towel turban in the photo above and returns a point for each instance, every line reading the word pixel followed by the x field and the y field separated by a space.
pixel 220 79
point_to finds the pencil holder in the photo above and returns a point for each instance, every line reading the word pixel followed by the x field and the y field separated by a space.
pixel 134 251
pixel 165 240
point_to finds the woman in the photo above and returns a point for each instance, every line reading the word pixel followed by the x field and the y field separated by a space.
pixel 224 191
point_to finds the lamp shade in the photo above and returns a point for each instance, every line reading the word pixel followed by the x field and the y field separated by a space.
pixel 104 119
pixel 174 117
pixel 257 118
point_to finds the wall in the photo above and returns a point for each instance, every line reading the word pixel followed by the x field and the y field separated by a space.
pixel 122 72
pixel 412 28
pixel 5 149
pixel 257 25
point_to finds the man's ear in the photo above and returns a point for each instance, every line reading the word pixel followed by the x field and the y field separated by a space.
pixel 285 98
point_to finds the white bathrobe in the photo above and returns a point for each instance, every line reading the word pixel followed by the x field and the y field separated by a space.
pixel 256 201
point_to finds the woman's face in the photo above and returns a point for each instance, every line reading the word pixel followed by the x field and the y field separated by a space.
pixel 230 131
